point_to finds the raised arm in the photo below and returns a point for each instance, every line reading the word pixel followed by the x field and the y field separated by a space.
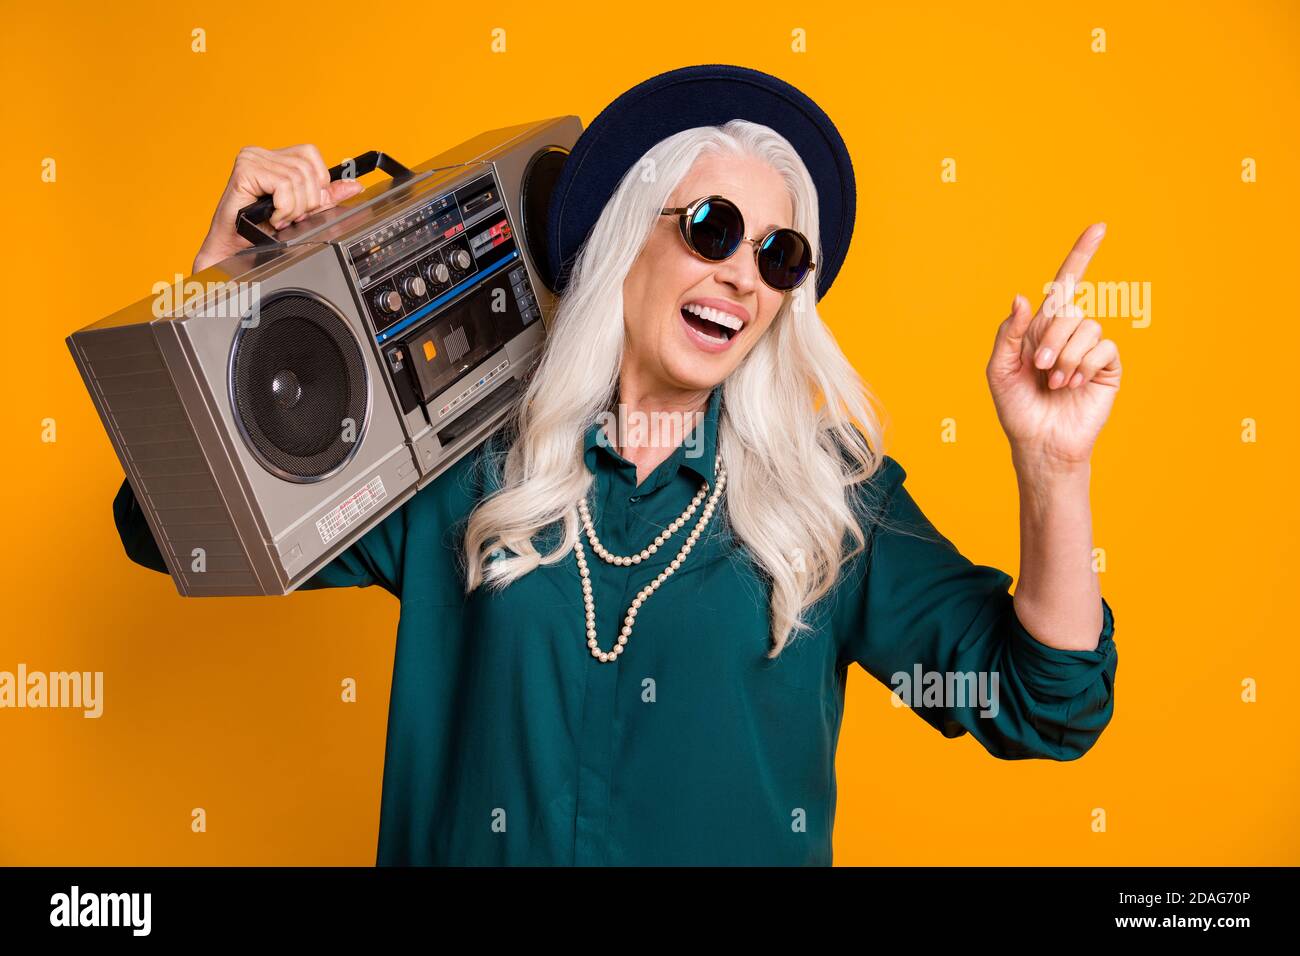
pixel 298 179
pixel 942 632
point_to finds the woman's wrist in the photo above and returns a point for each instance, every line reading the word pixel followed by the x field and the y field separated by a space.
pixel 1036 467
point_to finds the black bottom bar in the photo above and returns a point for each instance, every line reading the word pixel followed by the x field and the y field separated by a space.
pixel 910 906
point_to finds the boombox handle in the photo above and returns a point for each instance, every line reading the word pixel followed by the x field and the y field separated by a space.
pixel 248 222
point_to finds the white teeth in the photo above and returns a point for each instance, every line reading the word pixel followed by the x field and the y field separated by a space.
pixel 712 338
pixel 725 319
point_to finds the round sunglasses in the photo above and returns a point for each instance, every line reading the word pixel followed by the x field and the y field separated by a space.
pixel 713 229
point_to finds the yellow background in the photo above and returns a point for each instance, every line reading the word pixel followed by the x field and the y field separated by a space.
pixel 233 705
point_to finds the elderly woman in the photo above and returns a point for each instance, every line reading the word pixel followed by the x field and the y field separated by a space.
pixel 628 617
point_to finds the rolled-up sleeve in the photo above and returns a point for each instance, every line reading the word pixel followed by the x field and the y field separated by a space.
pixel 375 558
pixel 133 529
pixel 942 632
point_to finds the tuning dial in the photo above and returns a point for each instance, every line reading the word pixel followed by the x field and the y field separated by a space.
pixel 389 302
pixel 413 286
pixel 437 273
pixel 460 259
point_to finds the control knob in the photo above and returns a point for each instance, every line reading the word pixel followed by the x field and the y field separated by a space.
pixel 437 273
pixel 390 303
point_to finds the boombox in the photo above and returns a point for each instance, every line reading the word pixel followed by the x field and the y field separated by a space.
pixel 274 407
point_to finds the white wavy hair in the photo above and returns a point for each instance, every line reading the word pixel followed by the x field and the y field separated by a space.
pixel 791 462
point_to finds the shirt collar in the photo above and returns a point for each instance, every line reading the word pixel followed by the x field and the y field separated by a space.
pixel 697 453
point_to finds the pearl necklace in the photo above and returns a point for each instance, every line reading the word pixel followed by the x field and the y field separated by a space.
pixel 644 594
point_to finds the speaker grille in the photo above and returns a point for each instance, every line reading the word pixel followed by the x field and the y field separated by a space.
pixel 535 196
pixel 298 378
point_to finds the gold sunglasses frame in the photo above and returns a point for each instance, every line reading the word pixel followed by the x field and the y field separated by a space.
pixel 686 214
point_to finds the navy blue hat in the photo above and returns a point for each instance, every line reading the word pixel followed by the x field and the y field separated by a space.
pixel 708 95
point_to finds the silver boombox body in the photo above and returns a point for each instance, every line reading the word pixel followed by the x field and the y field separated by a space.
pixel 276 406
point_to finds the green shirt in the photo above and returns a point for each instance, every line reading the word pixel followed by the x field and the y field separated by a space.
pixel 508 743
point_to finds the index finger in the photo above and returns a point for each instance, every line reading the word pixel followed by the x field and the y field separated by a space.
pixel 309 152
pixel 1075 265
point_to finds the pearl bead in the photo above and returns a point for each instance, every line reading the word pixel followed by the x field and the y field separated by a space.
pixel 643 595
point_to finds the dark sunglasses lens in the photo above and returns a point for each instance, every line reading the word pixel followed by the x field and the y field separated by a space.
pixel 784 259
pixel 715 229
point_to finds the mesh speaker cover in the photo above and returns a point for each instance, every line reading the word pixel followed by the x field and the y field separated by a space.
pixel 535 195
pixel 297 378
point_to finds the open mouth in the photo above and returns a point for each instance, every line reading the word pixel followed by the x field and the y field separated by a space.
pixel 712 325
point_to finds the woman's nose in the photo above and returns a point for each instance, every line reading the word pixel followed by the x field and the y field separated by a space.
pixel 740 271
